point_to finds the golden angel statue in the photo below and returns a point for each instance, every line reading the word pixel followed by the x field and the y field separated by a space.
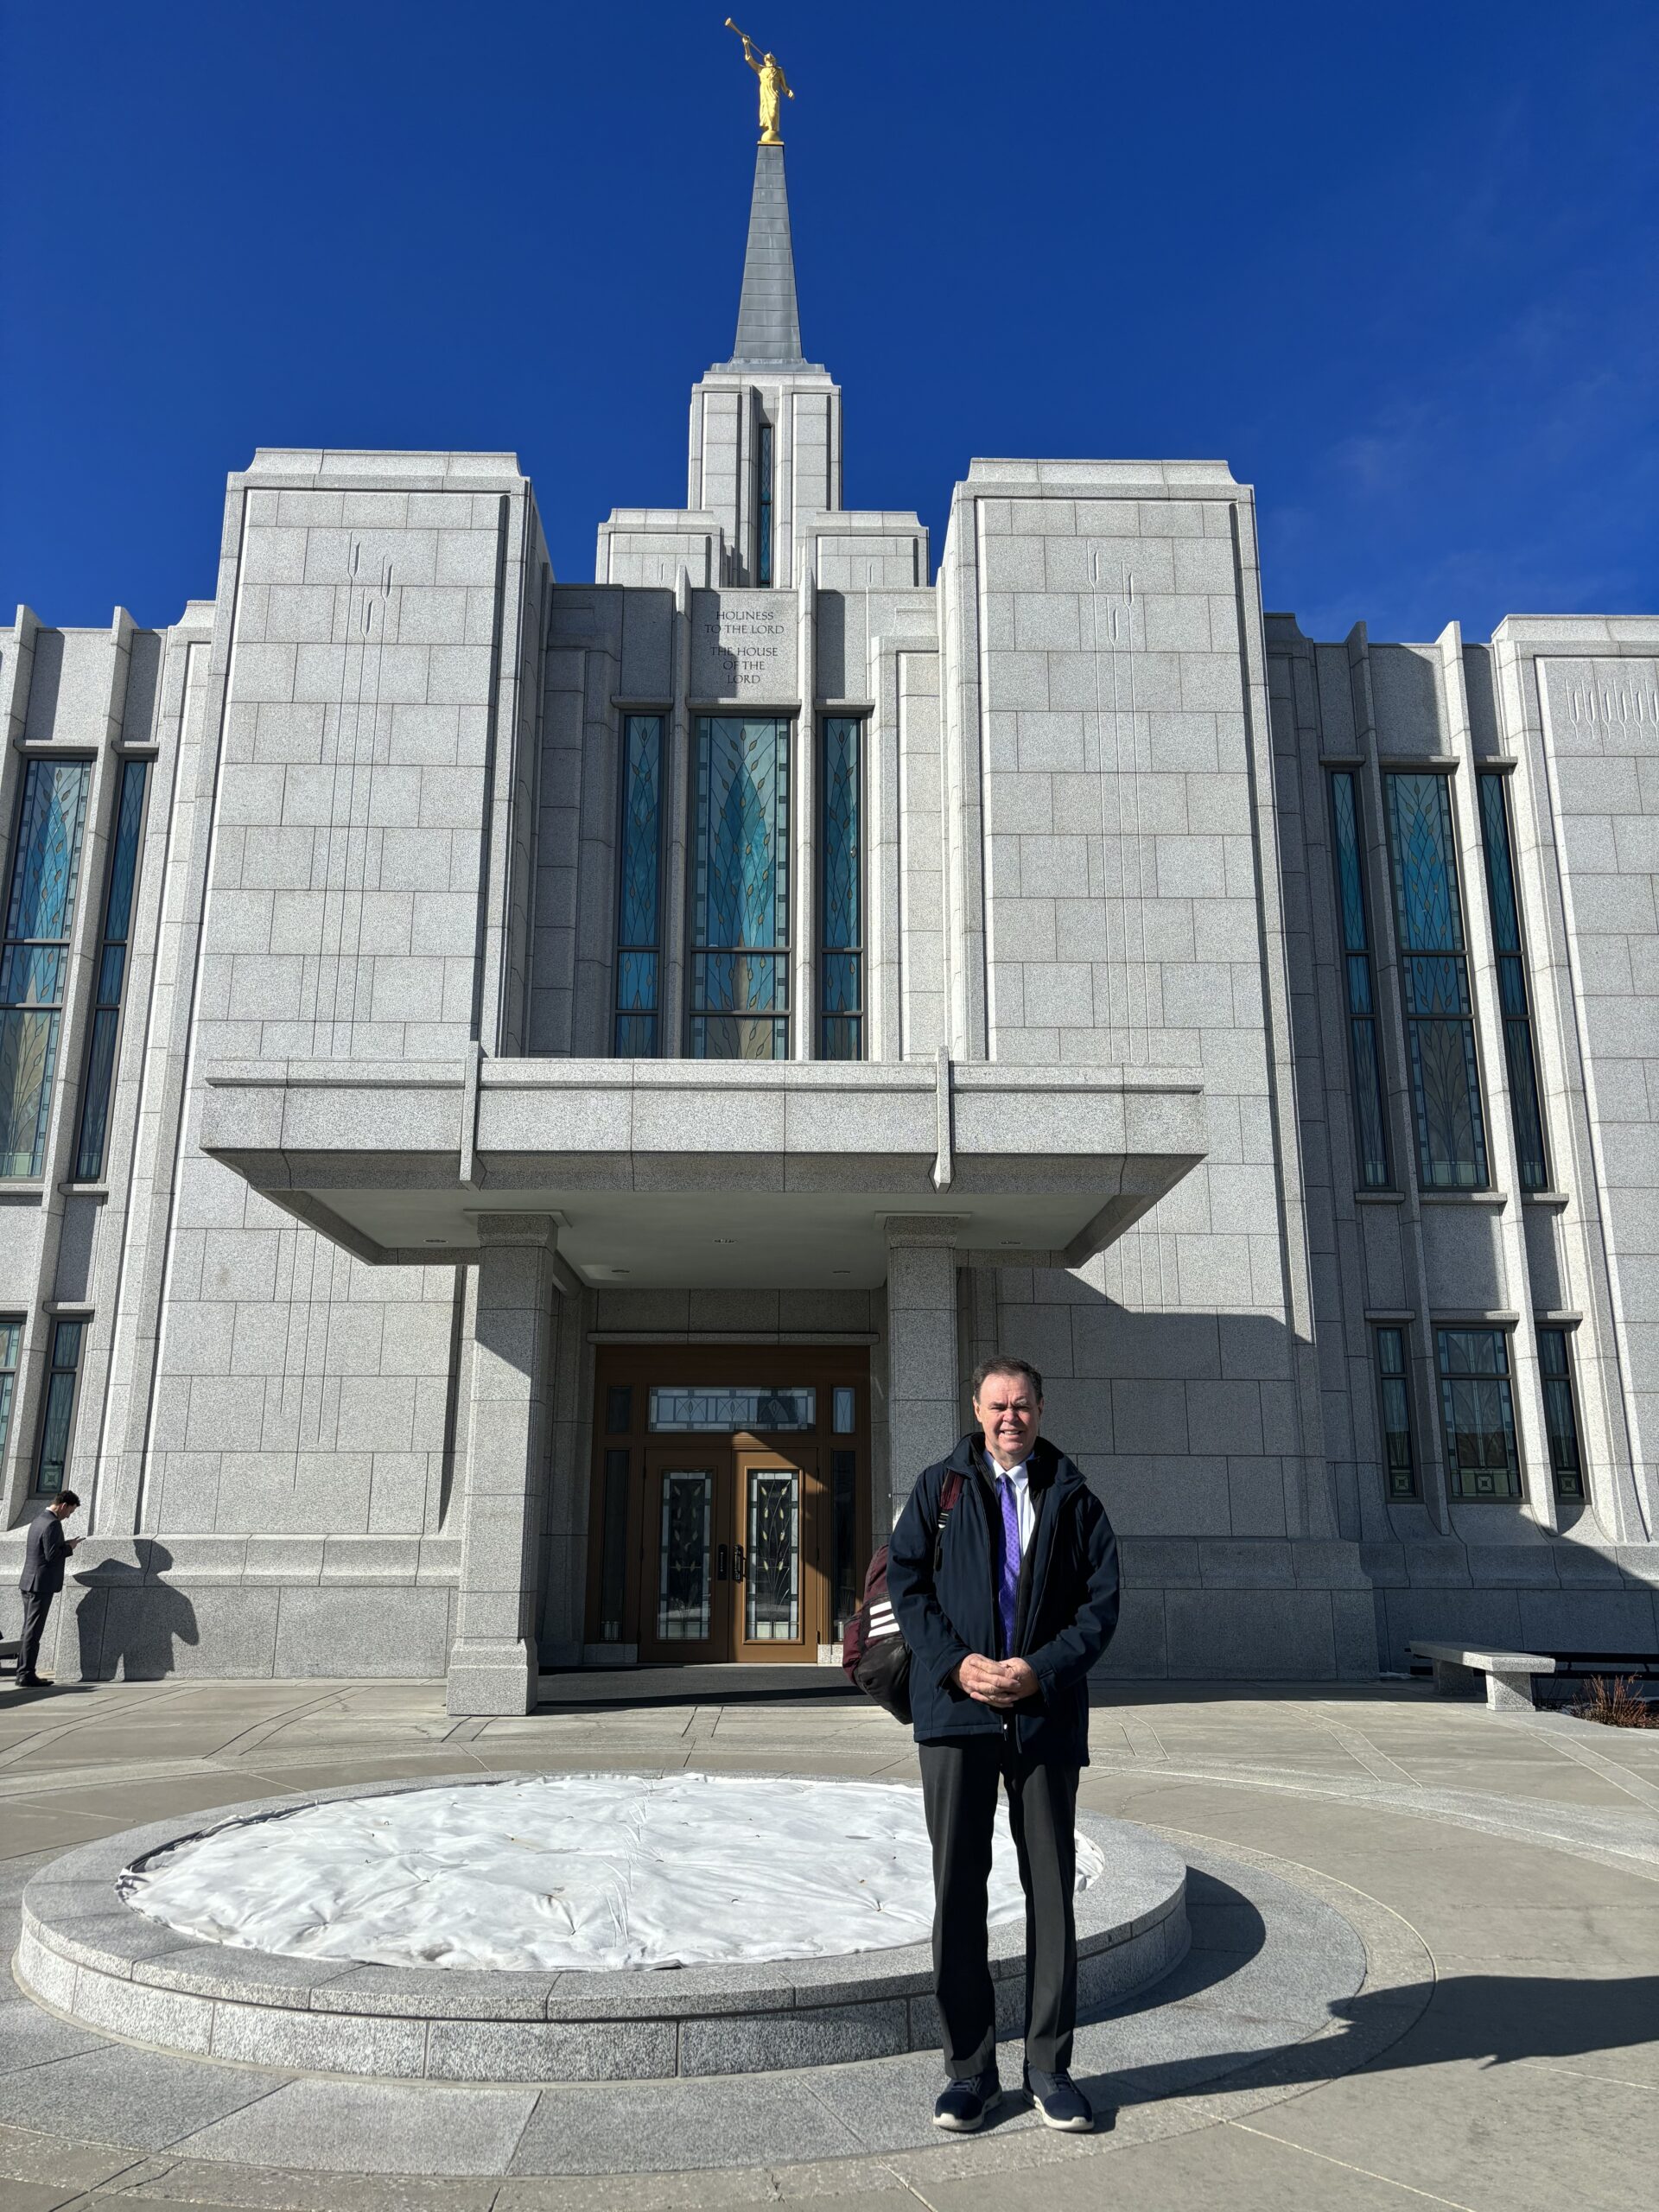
pixel 774 86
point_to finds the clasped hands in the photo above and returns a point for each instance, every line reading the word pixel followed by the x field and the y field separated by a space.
pixel 995 1682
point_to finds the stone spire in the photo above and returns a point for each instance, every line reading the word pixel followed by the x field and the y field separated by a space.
pixel 768 318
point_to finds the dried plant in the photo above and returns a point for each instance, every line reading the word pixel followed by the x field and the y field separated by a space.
pixel 1616 1704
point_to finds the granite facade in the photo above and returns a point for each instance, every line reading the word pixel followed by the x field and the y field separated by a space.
pixel 332 1418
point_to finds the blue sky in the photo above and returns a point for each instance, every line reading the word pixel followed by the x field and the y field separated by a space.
pixel 1397 264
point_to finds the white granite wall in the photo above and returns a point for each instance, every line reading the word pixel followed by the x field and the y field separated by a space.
pixel 1114 823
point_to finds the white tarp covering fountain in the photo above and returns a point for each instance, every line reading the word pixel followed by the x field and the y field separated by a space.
pixel 592 1872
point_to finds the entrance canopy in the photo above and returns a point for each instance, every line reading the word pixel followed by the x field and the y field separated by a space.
pixel 695 1173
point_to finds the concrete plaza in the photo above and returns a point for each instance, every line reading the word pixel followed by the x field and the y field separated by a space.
pixel 1425 1970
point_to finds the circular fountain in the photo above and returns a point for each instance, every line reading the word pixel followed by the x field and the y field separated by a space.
pixel 557 1927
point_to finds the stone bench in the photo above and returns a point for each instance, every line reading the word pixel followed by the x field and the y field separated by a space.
pixel 1507 1675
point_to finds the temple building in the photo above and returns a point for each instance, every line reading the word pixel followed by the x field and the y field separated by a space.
pixel 521 1103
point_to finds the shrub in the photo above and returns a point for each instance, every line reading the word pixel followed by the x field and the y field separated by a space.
pixel 1616 1704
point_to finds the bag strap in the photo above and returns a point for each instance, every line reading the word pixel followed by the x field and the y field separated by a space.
pixel 948 1497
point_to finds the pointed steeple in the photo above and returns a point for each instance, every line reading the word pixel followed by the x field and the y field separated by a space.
pixel 768 315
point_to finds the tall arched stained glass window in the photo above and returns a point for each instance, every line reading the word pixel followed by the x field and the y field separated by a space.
pixel 840 972
pixel 1435 978
pixel 740 899
pixel 638 939
pixel 35 958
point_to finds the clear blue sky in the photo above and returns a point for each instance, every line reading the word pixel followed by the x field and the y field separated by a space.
pixel 1397 264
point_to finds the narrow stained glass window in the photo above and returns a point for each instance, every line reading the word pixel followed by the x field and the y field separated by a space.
pixel 638 939
pixel 762 505
pixel 1435 978
pixel 57 1426
pixel 1512 983
pixel 12 1342
pixel 740 909
pixel 1480 1413
pixel 1370 1127
pixel 1395 1406
pixel 1560 1415
pixel 35 958
pixel 111 973
pixel 842 968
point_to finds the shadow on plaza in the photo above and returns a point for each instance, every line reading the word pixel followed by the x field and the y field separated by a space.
pixel 128 1620
pixel 1494 2020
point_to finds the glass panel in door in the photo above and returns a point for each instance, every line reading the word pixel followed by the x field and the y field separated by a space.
pixel 772 1594
pixel 777 1592
pixel 685 1604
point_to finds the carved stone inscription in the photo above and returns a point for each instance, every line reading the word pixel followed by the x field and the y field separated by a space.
pixel 743 646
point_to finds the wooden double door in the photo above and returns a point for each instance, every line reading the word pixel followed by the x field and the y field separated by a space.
pixel 718 1543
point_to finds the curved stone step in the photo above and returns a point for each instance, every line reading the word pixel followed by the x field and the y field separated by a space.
pixel 86 1953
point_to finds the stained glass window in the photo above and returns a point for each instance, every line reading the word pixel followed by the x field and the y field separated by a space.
pixel 1480 1413
pixel 111 973
pixel 35 957
pixel 762 505
pixel 58 1425
pixel 638 935
pixel 1394 1399
pixel 12 1342
pixel 1512 983
pixel 1434 977
pixel 739 906
pixel 1560 1416
pixel 1370 1127
pixel 841 959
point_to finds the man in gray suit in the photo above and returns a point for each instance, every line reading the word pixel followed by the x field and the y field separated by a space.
pixel 43 1579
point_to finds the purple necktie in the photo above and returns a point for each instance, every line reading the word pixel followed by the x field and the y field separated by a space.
pixel 1007 1588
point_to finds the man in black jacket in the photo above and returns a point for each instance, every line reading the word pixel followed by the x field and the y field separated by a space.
pixel 41 1579
pixel 1002 1634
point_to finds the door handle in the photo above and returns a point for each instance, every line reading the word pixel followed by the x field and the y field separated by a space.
pixel 737 1563
pixel 720 1562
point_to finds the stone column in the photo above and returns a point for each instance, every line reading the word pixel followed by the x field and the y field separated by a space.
pixel 492 1665
pixel 924 1409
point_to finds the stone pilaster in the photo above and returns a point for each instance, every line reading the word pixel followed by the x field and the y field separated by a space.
pixel 923 1412
pixel 492 1665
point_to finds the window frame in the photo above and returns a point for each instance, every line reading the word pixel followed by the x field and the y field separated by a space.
pixel 1359 968
pixel 1501 1334
pixel 1400 1378
pixel 1571 1484
pixel 55 1009
pixel 856 953
pixel 12 1326
pixel 766 500
pixel 619 1013
pixel 98 1077
pixel 1453 959
pixel 780 951
pixel 1520 1037
pixel 55 1370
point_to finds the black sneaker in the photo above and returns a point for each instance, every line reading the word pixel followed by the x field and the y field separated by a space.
pixel 963 2105
pixel 1060 2102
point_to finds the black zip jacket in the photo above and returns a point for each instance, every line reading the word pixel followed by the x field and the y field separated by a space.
pixel 1068 1603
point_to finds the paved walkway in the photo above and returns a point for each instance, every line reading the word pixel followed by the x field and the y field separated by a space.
pixel 1426 1972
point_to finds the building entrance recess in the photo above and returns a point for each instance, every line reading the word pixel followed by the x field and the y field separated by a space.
pixel 730 1505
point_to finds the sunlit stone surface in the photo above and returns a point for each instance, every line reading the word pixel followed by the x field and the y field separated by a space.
pixel 594 1872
